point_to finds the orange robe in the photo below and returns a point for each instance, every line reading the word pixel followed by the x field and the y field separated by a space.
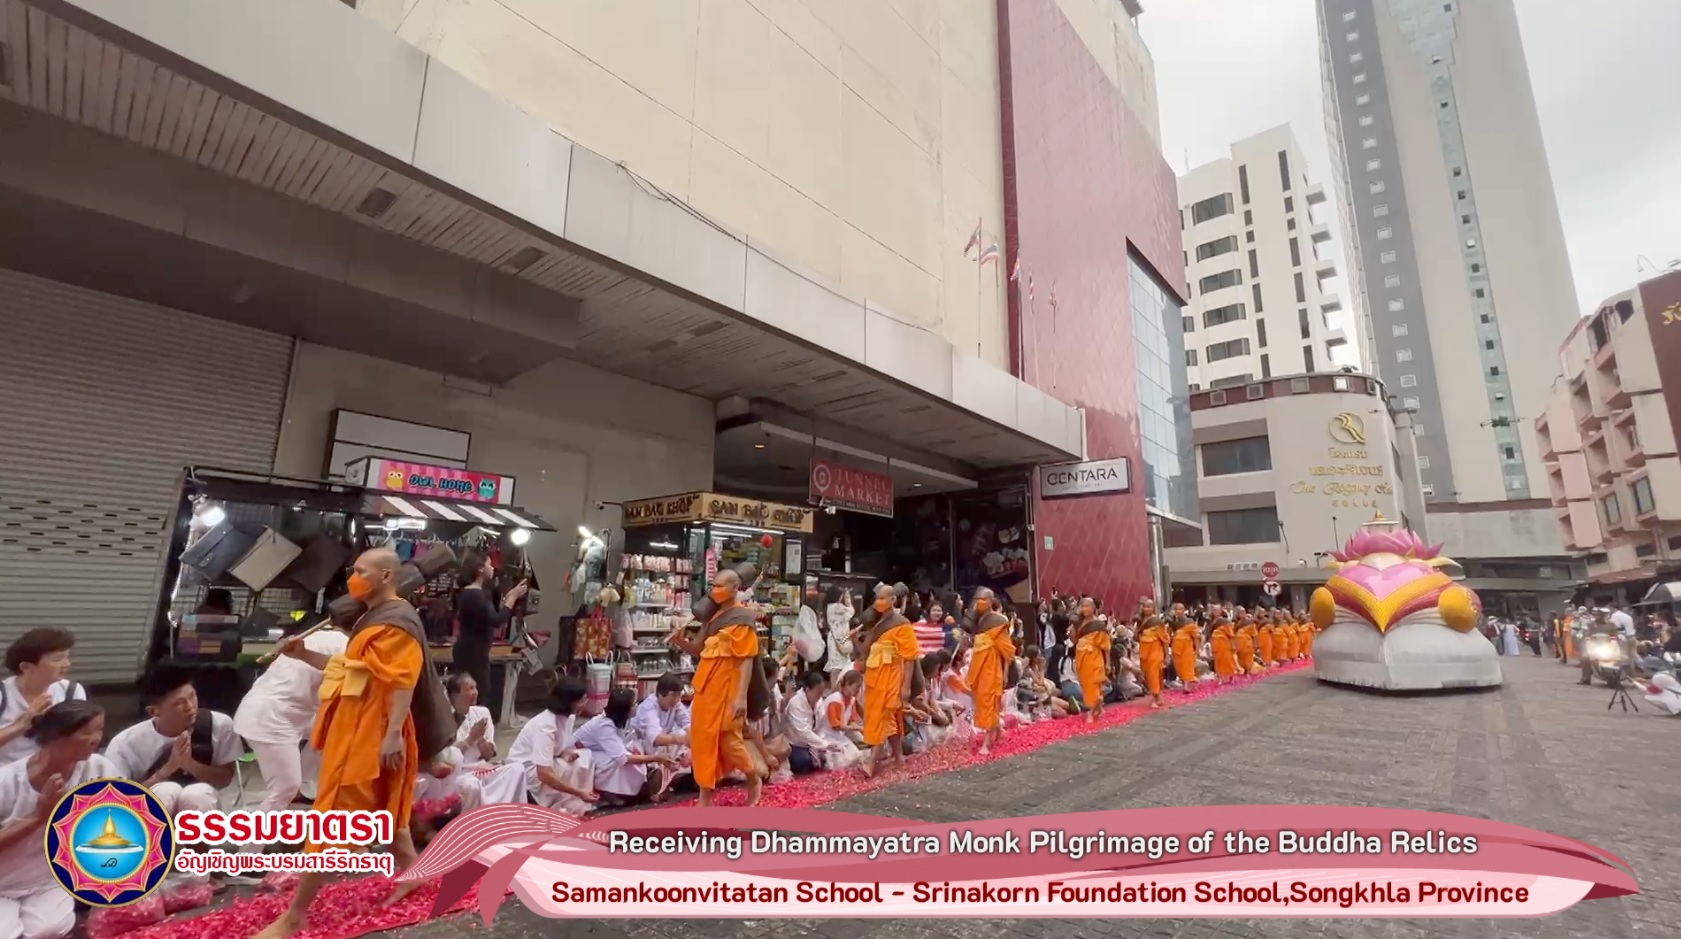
pixel 1308 632
pixel 884 681
pixel 1185 653
pixel 989 663
pixel 1246 650
pixel 1152 655
pixel 1225 663
pixel 1264 639
pixel 355 712
pixel 715 742
pixel 1091 663
pixel 1292 642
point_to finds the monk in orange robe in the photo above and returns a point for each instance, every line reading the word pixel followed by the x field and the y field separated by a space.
pixel 382 688
pixel 1248 645
pixel 1187 641
pixel 990 656
pixel 1091 658
pixel 1308 632
pixel 1153 640
pixel 730 687
pixel 890 671
pixel 1264 639
pixel 1223 641
pixel 1292 642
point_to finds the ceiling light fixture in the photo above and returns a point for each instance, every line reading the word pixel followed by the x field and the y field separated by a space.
pixel 758 446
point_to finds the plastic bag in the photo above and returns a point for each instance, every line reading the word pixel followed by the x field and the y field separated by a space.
pixel 808 639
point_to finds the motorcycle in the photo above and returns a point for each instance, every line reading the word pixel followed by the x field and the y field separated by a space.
pixel 1606 655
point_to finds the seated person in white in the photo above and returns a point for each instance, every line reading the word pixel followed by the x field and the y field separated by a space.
pixel 615 749
pixel 546 765
pixel 38 661
pixel 67 735
pixel 842 717
pixel 662 720
pixel 475 729
pixel 277 714
pixel 458 769
pixel 184 754
pixel 930 719
pixel 813 748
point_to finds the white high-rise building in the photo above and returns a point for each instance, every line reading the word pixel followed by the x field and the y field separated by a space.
pixel 1256 263
pixel 1455 248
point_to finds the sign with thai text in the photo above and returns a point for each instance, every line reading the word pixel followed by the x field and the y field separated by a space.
pixel 855 490
pixel 436 482
pixel 1087 478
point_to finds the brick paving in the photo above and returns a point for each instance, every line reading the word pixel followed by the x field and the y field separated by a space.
pixel 1541 752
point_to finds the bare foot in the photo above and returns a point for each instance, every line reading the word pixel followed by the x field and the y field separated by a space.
pixel 1155 704
pixel 867 766
pixel 755 787
pixel 288 923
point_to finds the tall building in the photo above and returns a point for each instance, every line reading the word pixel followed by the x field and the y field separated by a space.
pixel 1608 436
pixel 1256 263
pixel 1455 245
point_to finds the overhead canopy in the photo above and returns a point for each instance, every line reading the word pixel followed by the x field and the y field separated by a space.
pixel 1663 593
pixel 385 505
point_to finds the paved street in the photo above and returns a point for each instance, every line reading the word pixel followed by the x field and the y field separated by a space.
pixel 1540 752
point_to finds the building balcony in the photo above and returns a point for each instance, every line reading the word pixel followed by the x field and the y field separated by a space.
pixel 1320 233
pixel 1314 194
pixel 1331 304
pixel 1335 338
pixel 1325 268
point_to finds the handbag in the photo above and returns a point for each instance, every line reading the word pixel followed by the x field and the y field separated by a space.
pixel 268 555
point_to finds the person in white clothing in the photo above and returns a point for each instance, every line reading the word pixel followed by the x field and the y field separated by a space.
pixel 805 726
pixel 842 716
pixel 621 767
pixel 276 715
pixel 475 731
pixel 662 721
pixel 38 662
pixel 456 771
pixel 837 623
pixel 67 735
pixel 183 753
pixel 546 764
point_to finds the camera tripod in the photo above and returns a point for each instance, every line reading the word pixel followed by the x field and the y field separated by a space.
pixel 1619 692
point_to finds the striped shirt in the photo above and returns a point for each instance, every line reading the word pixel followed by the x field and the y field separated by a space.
pixel 930 637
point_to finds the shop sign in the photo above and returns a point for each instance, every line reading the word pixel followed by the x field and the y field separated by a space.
pixel 664 510
pixel 1088 478
pixel 716 507
pixel 722 508
pixel 855 490
pixel 437 482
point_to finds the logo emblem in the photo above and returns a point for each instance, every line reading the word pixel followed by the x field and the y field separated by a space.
pixel 394 479
pixel 1348 428
pixel 820 479
pixel 487 490
pixel 109 842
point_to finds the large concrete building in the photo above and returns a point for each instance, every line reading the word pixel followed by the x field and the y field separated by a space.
pixel 593 246
pixel 1257 263
pixel 1287 470
pixel 1456 249
pixel 1608 435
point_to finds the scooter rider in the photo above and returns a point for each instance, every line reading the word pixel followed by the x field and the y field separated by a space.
pixel 1600 626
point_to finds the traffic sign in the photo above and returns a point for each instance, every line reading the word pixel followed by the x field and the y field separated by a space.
pixel 1271 588
pixel 1269 570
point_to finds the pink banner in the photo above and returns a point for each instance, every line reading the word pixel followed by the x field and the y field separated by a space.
pixel 1233 861
pixel 439 482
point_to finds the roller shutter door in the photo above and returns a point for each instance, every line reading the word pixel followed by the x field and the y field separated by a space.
pixel 103 401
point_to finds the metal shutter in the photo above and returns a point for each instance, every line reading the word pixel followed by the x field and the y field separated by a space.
pixel 103 401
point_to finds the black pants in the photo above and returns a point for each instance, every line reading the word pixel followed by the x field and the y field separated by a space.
pixel 801 762
pixel 471 656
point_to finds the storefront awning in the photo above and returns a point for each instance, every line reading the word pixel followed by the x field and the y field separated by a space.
pixel 587 260
pixel 1663 593
pixel 444 510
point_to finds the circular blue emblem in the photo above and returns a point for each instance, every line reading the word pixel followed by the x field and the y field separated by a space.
pixel 109 842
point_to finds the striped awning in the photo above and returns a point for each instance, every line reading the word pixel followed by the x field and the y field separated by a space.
pixel 472 513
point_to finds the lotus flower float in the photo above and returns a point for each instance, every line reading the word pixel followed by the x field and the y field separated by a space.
pixel 1393 618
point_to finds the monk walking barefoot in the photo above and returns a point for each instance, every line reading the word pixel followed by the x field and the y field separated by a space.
pixel 890 671
pixel 730 687
pixel 1091 658
pixel 1153 640
pixel 990 659
pixel 375 699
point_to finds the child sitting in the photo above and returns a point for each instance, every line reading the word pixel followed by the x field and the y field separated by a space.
pixel 546 764
pixel 617 757
pixel 814 746
pixel 843 715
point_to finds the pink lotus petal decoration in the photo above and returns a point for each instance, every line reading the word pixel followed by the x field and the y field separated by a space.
pixel 1401 541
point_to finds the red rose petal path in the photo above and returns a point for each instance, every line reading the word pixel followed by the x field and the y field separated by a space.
pixel 350 909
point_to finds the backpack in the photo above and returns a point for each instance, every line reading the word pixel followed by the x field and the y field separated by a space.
pixel 75 691
pixel 204 750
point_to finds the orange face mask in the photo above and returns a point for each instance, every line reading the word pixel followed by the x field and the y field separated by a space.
pixel 883 604
pixel 722 595
pixel 360 587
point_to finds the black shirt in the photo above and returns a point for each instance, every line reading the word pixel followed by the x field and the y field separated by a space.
pixel 479 618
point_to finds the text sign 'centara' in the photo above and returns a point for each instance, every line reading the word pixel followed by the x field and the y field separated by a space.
pixel 1089 478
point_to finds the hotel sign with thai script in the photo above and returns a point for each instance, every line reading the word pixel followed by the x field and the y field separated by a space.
pixel 1086 478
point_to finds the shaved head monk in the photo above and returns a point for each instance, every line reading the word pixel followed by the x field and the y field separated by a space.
pixel 730 686
pixel 376 691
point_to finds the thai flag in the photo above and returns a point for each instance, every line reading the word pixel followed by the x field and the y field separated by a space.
pixel 974 239
pixel 989 254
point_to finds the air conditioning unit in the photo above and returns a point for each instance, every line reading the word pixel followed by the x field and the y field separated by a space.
pixel 1216 398
pixel 1299 386
pixel 1254 392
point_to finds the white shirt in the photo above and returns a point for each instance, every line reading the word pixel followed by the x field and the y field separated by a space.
pixel 541 740
pixel 23 866
pixel 475 714
pixel 281 705
pixel 134 750
pixel 606 743
pixel 1622 622
pixel 16 706
pixel 651 720
pixel 801 723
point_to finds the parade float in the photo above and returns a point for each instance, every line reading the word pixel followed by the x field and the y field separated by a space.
pixel 1393 618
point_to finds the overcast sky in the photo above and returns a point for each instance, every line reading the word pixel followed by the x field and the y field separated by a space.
pixel 1607 81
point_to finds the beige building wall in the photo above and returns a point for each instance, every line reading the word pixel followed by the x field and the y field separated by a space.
pixel 1109 30
pixel 857 140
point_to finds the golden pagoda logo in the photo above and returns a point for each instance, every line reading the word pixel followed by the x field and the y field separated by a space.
pixel 109 842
